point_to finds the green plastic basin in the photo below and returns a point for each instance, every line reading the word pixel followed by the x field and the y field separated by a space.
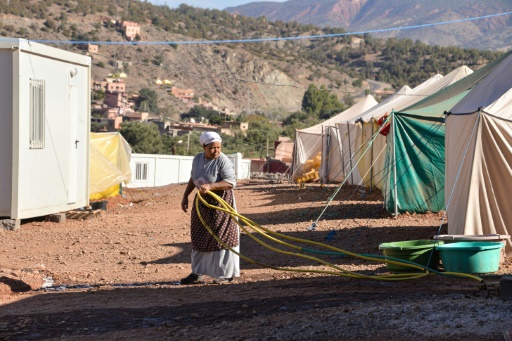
pixel 471 257
pixel 416 251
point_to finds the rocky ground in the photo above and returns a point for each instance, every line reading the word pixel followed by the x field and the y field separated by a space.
pixel 116 276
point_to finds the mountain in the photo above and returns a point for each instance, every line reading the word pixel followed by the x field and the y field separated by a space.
pixel 493 33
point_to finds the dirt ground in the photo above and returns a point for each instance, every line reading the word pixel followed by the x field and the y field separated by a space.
pixel 116 276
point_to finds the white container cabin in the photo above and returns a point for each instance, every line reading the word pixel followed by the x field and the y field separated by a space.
pixel 44 129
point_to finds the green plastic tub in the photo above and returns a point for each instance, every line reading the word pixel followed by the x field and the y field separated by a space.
pixel 416 251
pixel 470 257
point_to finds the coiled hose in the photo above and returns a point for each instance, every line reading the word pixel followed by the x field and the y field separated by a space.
pixel 299 251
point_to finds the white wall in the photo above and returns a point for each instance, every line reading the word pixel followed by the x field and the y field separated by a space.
pixel 151 170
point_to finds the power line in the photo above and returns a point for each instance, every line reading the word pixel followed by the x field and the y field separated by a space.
pixel 259 40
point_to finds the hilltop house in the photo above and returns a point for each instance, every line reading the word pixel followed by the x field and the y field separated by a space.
pixel 130 29
pixel 90 48
pixel 187 94
pixel 229 128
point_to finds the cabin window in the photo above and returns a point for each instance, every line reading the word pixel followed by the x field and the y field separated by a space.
pixel 141 171
pixel 37 113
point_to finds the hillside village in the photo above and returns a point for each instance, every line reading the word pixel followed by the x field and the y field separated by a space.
pixel 119 106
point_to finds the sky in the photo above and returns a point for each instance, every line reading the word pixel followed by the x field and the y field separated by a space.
pixel 210 4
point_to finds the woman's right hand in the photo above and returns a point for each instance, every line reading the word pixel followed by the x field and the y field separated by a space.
pixel 184 204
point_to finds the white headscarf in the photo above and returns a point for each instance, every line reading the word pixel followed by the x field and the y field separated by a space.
pixel 208 137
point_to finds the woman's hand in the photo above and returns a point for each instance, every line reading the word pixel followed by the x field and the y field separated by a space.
pixel 184 204
pixel 204 188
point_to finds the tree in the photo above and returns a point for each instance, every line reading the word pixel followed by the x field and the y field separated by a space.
pixel 144 138
pixel 313 100
pixel 215 120
pixel 147 100
pixel 260 132
pixel 319 102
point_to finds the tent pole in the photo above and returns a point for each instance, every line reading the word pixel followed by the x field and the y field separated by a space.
pixel 325 164
pixel 394 162
pixel 340 147
pixel 371 155
pixel 350 155
pixel 294 159
pixel 342 154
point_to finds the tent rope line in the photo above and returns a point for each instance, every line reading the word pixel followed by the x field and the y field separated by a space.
pixel 369 142
pixel 434 127
pixel 330 182
pixel 314 224
pixel 355 189
pixel 325 186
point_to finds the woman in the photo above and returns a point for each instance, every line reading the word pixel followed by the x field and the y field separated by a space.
pixel 212 171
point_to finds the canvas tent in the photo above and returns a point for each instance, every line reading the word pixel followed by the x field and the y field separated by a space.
pixel 479 157
pixel 415 153
pixel 308 141
pixel 373 163
pixel 357 132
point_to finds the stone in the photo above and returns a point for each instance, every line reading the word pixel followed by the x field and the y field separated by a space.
pixel 56 218
pixel 10 224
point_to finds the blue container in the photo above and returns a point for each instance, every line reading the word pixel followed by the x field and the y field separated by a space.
pixel 470 257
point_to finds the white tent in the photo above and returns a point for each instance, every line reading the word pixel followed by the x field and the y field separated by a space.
pixel 308 141
pixel 479 157
pixel 348 133
pixel 356 133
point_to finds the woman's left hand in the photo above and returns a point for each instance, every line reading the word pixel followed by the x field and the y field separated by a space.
pixel 204 188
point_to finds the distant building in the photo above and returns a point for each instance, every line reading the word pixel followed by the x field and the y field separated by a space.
pixel 116 99
pixel 118 64
pixel 230 128
pixel 176 129
pixel 114 124
pixel 91 48
pixel 116 85
pixel 283 149
pixel 182 93
pixel 134 116
pixel 356 42
pixel 109 85
pixel 131 29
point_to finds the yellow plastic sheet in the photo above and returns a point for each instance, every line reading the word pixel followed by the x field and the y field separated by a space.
pixel 109 164
pixel 310 169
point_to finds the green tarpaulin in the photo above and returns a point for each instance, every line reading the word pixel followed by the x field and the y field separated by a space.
pixel 417 180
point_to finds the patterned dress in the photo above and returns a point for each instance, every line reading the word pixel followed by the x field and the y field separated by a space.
pixel 210 257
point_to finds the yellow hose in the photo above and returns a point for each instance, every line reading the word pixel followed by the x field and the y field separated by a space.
pixel 225 207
